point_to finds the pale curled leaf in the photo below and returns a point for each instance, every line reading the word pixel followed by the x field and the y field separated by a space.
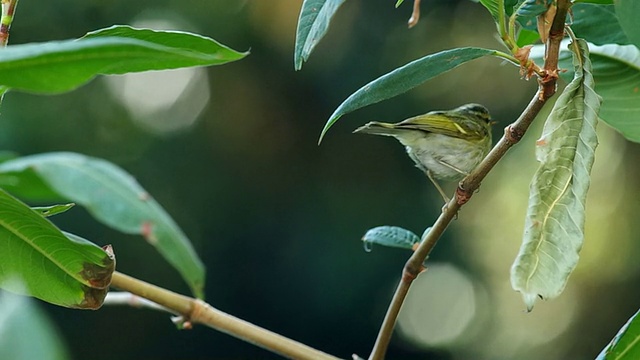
pixel 313 24
pixel 554 226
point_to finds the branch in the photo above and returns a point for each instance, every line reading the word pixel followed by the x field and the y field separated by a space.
pixel 120 298
pixel 8 9
pixel 512 135
pixel 199 312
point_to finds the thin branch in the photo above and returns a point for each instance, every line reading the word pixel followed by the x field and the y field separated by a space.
pixel 415 15
pixel 467 187
pixel 120 298
pixel 199 312
pixel 8 9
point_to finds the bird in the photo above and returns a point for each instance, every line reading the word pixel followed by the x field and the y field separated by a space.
pixel 446 144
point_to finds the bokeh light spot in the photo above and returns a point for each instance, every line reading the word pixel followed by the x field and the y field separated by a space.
pixel 439 308
pixel 161 102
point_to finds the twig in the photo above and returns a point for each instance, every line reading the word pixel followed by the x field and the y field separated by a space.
pixel 199 312
pixel 119 298
pixel 8 9
pixel 513 134
pixel 415 15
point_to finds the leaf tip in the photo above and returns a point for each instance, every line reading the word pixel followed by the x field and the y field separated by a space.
pixel 328 125
pixel 297 61
pixel 529 300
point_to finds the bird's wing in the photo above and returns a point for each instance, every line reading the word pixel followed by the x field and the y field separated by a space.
pixel 444 123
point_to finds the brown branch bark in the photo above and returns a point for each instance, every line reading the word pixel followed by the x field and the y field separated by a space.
pixel 512 135
pixel 198 312
pixel 8 9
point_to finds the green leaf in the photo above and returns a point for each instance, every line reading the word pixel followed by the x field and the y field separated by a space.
pixel 391 236
pixel 398 3
pixel 28 186
pixel 616 70
pixel 26 332
pixel 607 31
pixel 51 266
pixel 115 198
pixel 59 66
pixel 554 227
pixel 47 211
pixel 531 8
pixel 313 24
pixel 493 6
pixel 405 78
pixel 601 2
pixel 626 344
pixel 628 12
pixel 527 37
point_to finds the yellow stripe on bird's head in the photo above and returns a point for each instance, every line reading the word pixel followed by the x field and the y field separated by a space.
pixel 476 110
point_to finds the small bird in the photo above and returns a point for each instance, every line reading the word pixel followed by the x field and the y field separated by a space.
pixel 446 145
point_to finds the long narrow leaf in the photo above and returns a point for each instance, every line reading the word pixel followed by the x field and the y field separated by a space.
pixel 554 227
pixel 49 265
pixel 59 66
pixel 405 78
pixel 313 24
pixel 115 198
pixel 626 344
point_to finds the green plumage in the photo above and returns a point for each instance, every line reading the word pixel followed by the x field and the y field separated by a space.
pixel 445 145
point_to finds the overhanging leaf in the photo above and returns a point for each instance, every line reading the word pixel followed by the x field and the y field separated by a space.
pixel 63 270
pixel 115 198
pixel 403 79
pixel 313 24
pixel 626 344
pixel 628 12
pixel 59 66
pixel 554 226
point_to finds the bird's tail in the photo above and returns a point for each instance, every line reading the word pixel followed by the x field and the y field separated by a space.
pixel 379 128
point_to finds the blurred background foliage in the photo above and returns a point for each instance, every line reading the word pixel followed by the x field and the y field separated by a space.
pixel 231 153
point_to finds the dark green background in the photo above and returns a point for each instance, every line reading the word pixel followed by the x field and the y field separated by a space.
pixel 277 219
